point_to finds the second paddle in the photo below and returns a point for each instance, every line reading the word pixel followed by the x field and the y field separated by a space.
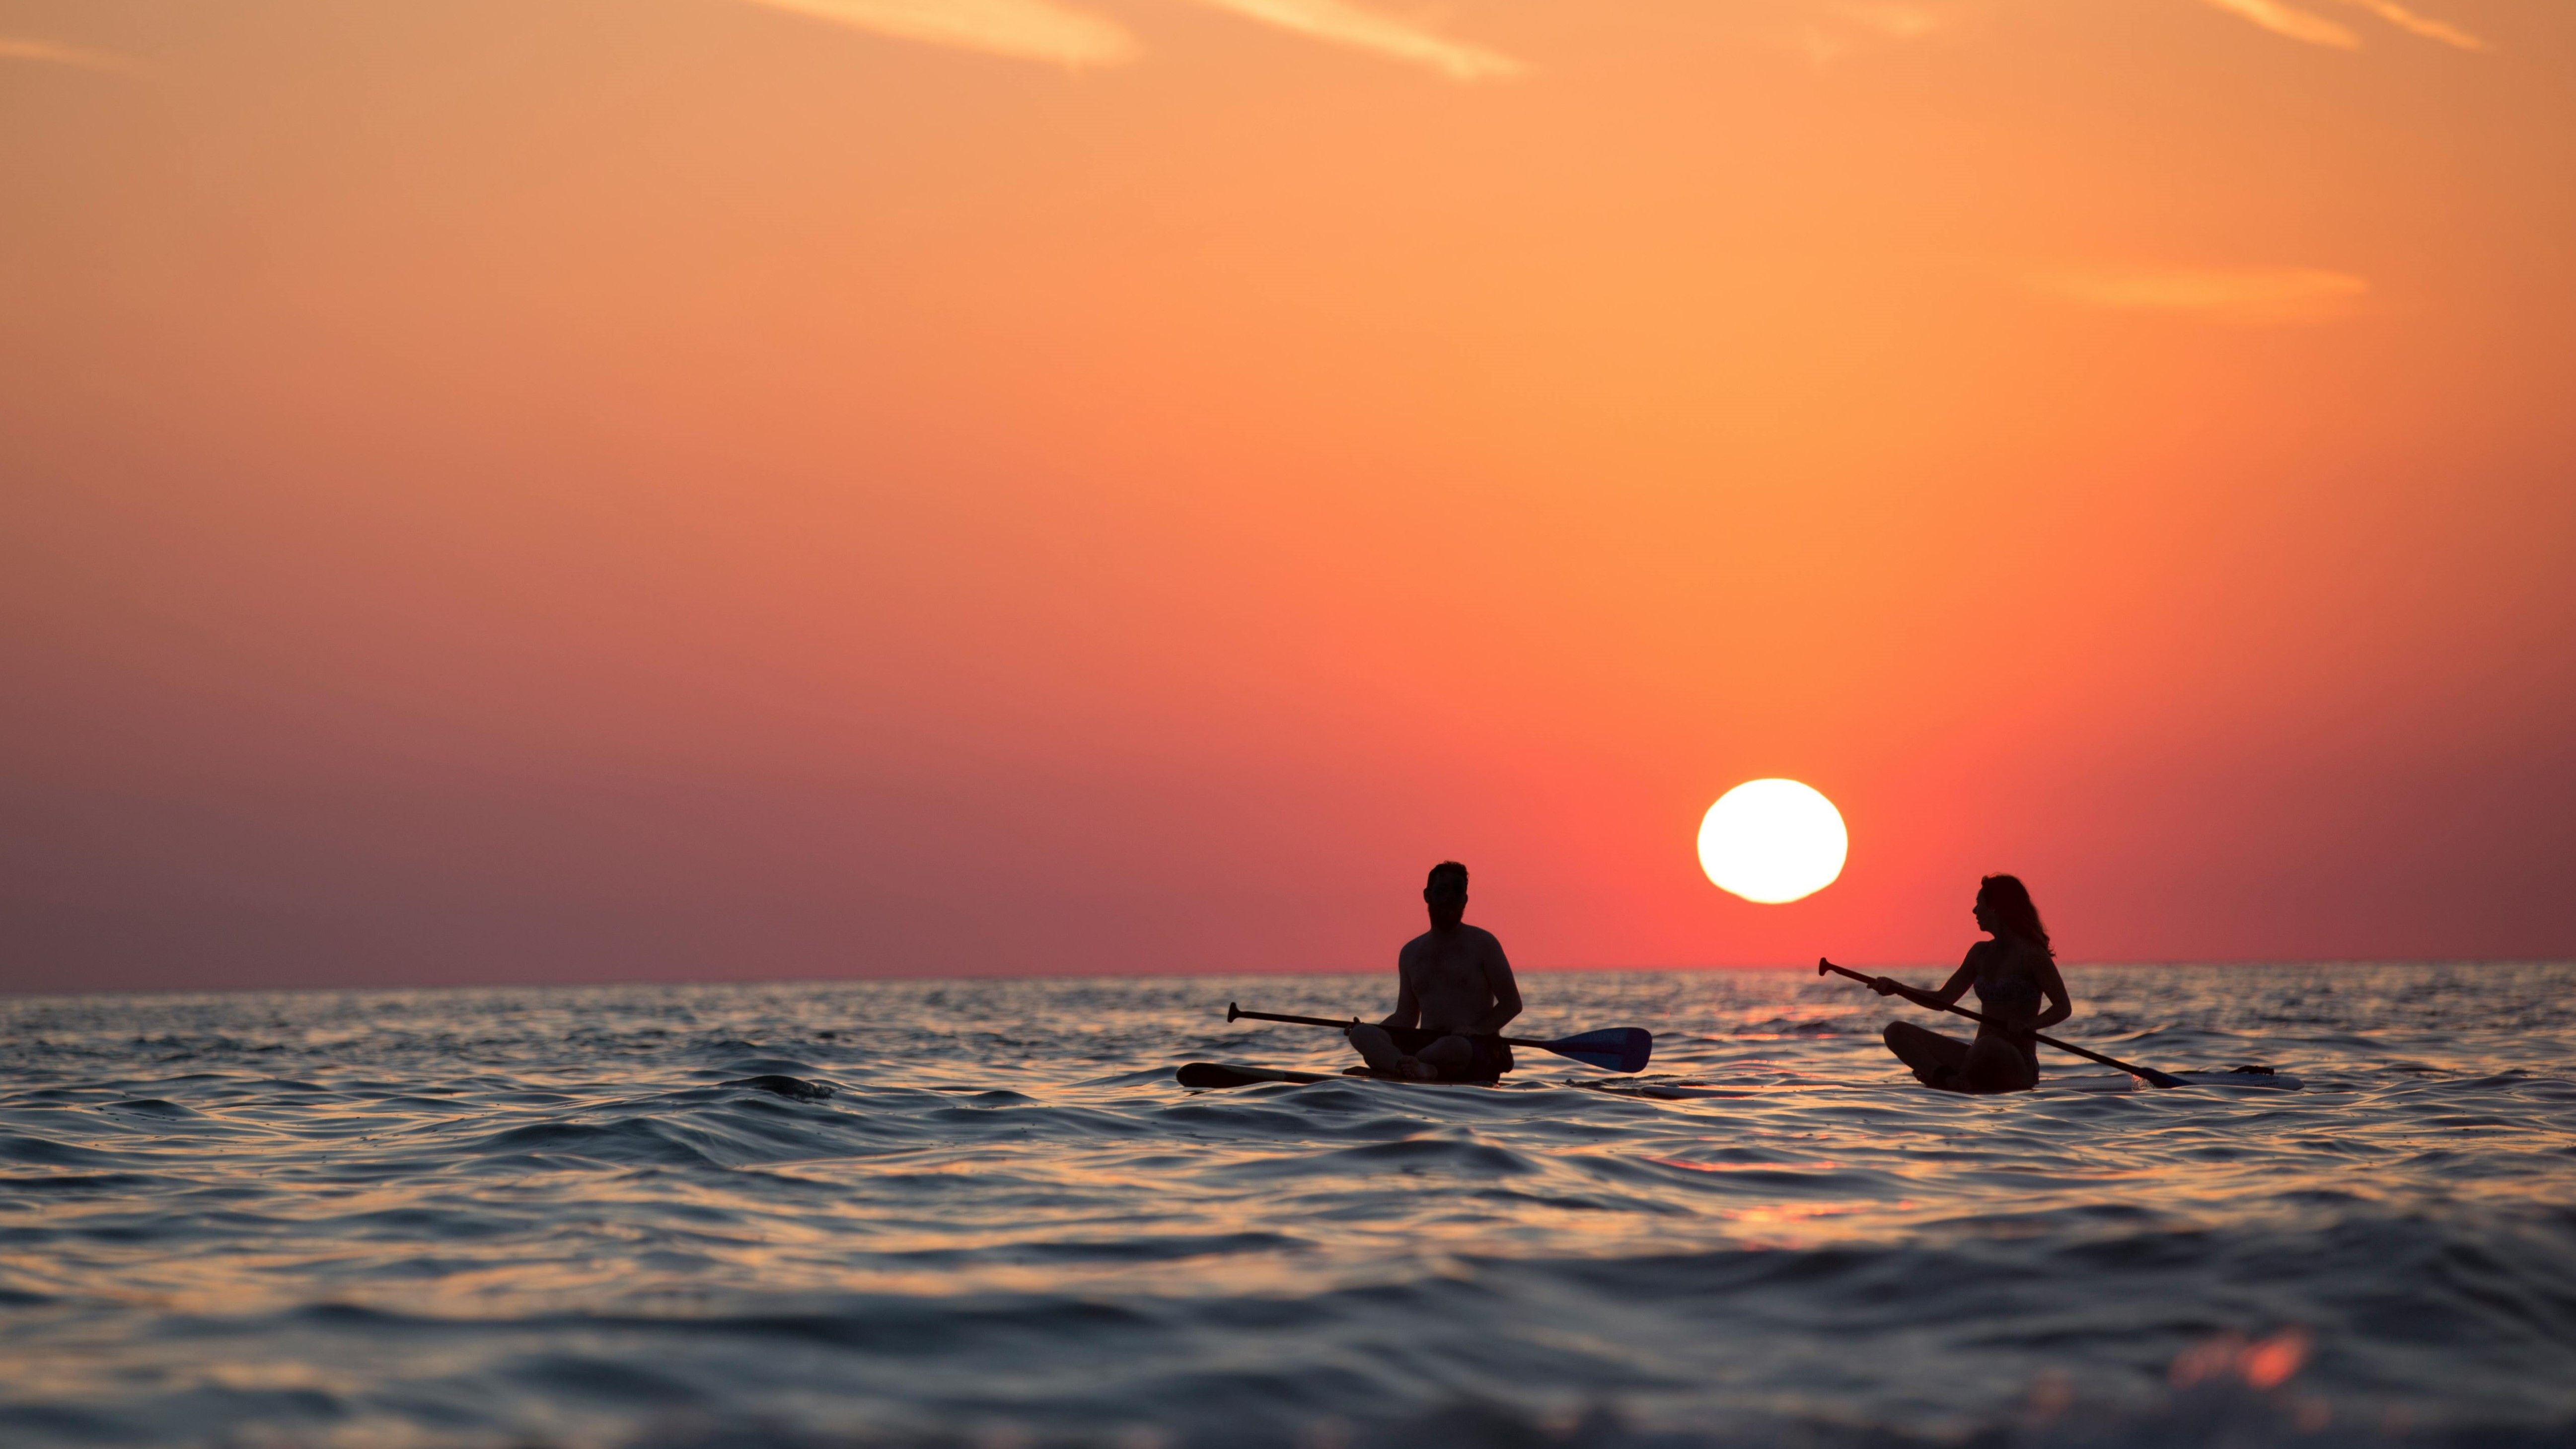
pixel 2149 1075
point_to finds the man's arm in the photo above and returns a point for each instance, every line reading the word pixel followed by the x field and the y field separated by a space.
pixel 1408 1009
pixel 1506 991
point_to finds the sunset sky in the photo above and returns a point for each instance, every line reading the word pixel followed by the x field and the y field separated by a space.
pixel 570 490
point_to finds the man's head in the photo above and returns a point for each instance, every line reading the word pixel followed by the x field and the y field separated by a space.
pixel 1446 893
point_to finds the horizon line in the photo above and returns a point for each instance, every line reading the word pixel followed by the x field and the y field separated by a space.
pixel 19 994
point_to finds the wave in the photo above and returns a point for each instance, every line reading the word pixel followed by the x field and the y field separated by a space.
pixel 936 1213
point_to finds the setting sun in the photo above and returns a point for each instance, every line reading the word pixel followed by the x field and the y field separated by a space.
pixel 1772 841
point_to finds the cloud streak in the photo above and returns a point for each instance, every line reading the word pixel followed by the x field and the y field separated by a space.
pixel 2414 24
pixel 2253 296
pixel 2295 23
pixel 1345 24
pixel 1892 20
pixel 1021 29
pixel 2315 29
pixel 1042 30
pixel 46 52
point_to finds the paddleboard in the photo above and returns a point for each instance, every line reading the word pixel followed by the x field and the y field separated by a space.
pixel 2241 1077
pixel 1664 1091
pixel 2257 1078
pixel 1209 1075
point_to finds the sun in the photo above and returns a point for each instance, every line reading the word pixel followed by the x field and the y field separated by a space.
pixel 1772 841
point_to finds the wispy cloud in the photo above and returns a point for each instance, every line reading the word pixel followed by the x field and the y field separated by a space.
pixel 1346 24
pixel 2254 296
pixel 1827 32
pixel 2315 29
pixel 2414 24
pixel 2295 23
pixel 46 52
pixel 1895 20
pixel 1022 29
pixel 1045 31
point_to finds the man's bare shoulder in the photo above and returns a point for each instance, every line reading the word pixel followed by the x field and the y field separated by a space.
pixel 1476 937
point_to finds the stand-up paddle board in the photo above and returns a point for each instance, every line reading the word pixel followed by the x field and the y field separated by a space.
pixel 2259 1078
pixel 1663 1091
pixel 1209 1075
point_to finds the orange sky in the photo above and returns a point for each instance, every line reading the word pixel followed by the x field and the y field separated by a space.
pixel 605 489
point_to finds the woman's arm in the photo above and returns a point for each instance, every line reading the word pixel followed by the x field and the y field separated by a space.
pixel 1946 996
pixel 2060 1005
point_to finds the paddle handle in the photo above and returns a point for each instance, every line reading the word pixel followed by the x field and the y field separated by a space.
pixel 2148 1073
pixel 1234 1012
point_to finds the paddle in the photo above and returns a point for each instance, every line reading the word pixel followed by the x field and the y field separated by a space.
pixel 2150 1075
pixel 1612 1049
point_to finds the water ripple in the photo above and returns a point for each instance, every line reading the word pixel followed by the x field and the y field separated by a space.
pixel 904 1213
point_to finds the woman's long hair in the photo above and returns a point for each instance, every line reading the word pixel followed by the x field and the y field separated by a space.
pixel 2009 899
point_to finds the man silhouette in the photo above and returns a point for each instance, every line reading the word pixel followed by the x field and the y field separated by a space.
pixel 1453 994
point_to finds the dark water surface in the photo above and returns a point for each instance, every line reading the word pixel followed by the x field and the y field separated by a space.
pixel 543 1217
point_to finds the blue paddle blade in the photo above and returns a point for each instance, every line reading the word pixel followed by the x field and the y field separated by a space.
pixel 1613 1049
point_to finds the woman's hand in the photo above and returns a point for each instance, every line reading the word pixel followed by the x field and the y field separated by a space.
pixel 1883 986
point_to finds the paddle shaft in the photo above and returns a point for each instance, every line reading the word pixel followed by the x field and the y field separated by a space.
pixel 1231 1012
pixel 2147 1073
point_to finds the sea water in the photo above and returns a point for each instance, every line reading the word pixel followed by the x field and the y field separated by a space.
pixel 556 1217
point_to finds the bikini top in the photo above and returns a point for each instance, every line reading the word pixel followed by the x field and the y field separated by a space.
pixel 2013 997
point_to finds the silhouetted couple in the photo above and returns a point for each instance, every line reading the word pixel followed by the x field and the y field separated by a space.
pixel 2016 980
pixel 1455 993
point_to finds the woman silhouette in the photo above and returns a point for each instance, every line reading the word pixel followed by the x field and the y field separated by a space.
pixel 2012 973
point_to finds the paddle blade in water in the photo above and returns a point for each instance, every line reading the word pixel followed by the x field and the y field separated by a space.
pixel 1614 1049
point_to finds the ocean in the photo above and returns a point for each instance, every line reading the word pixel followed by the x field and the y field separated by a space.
pixel 555 1217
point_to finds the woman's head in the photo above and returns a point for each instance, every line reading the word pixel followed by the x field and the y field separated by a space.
pixel 2003 905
